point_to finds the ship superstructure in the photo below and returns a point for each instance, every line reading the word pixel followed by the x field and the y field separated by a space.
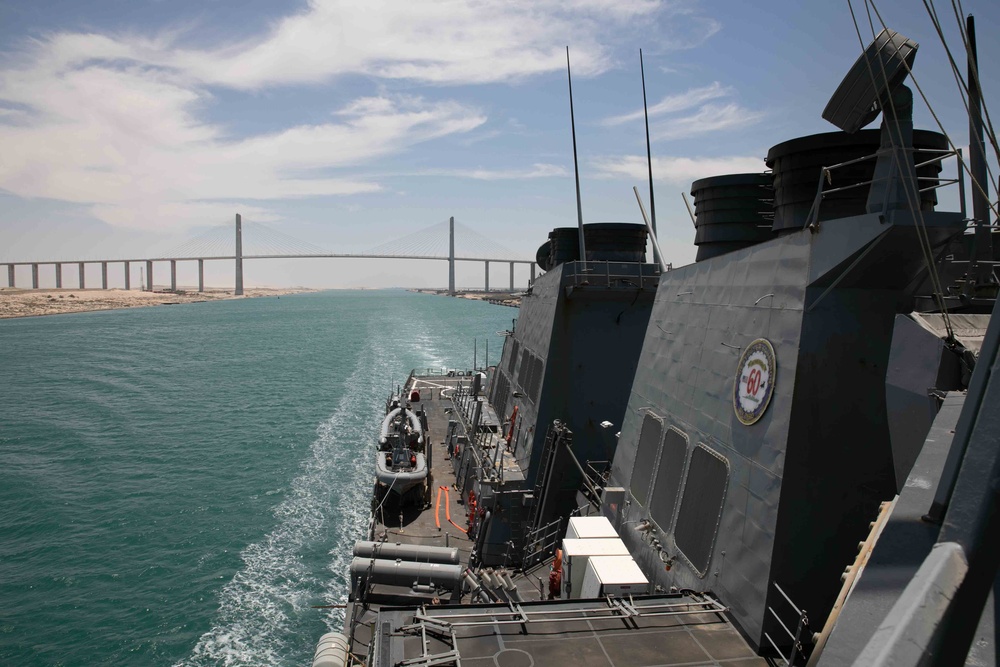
pixel 676 466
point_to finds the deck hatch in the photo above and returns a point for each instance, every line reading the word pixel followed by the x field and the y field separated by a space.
pixel 701 507
pixel 669 473
pixel 645 457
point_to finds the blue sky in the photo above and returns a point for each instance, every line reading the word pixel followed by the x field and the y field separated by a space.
pixel 129 126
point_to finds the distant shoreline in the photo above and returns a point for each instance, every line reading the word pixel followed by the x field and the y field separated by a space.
pixel 18 302
pixel 499 298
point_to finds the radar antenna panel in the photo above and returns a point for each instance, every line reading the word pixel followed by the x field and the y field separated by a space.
pixel 880 69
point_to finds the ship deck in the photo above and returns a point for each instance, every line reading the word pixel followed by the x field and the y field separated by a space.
pixel 395 624
pixel 426 522
pixel 655 630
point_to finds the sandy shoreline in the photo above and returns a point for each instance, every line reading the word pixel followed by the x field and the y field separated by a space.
pixel 499 298
pixel 17 302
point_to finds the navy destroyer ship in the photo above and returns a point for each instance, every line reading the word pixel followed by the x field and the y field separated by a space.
pixel 784 453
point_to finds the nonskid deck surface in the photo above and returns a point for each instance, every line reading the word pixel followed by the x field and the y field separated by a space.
pixel 665 631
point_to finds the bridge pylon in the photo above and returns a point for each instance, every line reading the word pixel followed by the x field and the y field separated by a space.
pixel 451 256
pixel 239 256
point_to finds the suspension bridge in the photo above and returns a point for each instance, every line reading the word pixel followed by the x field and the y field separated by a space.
pixel 256 241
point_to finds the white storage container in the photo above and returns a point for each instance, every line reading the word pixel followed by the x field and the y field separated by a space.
pixel 576 553
pixel 613 575
pixel 589 527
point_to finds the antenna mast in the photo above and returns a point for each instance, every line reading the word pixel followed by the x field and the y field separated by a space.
pixel 576 166
pixel 649 163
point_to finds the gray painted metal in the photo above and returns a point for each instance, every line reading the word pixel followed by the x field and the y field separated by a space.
pixel 916 358
pixel 411 552
pixel 973 518
pixel 579 330
pixel 883 66
pixel 905 540
pixel 904 636
pixel 807 477
pixel 404 573
pixel 983 243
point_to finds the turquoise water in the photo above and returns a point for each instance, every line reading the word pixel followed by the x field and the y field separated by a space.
pixel 179 485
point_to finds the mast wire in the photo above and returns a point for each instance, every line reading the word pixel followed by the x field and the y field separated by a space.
pixel 908 185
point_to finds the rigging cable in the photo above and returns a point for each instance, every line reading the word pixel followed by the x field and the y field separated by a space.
pixel 963 90
pixel 912 198
pixel 930 108
pixel 975 72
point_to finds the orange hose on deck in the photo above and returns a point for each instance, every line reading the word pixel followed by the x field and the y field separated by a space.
pixel 447 509
pixel 437 505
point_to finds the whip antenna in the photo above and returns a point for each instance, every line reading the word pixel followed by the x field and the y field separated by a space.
pixel 576 166
pixel 649 163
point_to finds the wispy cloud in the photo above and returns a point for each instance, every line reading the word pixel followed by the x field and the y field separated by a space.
pixel 709 118
pixel 118 121
pixel 129 144
pixel 538 170
pixel 674 103
pixel 666 123
pixel 676 170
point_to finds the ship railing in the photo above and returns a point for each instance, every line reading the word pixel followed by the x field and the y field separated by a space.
pixel 541 543
pixel 446 372
pixel 597 472
pixel 927 182
pixel 515 614
pixel 621 275
pixel 801 629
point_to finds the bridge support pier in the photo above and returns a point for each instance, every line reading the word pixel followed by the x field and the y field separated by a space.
pixel 487 281
pixel 239 256
pixel 34 276
pixel 451 256
pixel 512 276
pixel 82 285
pixel 128 276
pixel 10 275
pixel 104 275
pixel 58 275
pixel 173 275
pixel 149 275
pixel 532 272
pixel 201 275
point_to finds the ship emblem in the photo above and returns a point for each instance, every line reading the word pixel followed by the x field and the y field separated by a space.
pixel 754 381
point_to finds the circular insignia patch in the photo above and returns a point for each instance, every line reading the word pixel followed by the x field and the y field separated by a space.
pixel 754 381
